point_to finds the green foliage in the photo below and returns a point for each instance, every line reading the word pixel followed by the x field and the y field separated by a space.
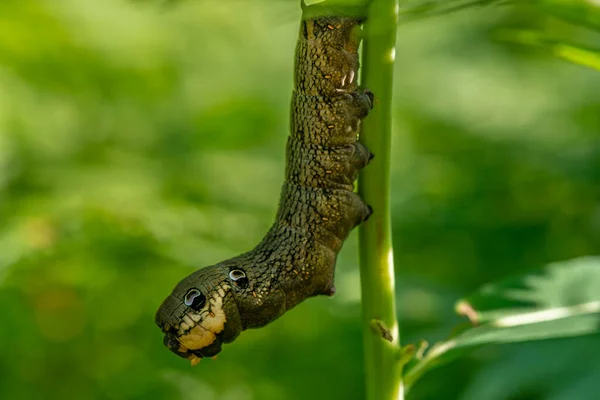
pixel 138 143
pixel 578 13
pixel 415 9
pixel 558 286
pixel 561 300
pixel 568 42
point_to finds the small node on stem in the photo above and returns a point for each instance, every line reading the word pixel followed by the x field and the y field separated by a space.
pixel 380 329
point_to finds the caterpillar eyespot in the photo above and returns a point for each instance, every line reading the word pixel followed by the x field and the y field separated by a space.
pixel 317 208
pixel 194 299
pixel 239 278
pixel 236 274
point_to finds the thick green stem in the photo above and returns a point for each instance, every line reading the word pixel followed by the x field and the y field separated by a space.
pixel 383 369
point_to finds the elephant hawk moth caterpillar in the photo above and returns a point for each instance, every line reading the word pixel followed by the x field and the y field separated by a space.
pixel 317 209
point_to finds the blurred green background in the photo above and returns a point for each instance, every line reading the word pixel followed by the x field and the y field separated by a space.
pixel 140 142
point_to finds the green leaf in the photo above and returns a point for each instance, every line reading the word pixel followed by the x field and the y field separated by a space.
pixel 577 12
pixel 428 8
pixel 561 300
pixel 576 53
pixel 579 55
pixel 558 286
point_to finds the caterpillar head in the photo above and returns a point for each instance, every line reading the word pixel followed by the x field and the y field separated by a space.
pixel 201 313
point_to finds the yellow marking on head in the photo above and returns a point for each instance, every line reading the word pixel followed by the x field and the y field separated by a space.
pixel 195 317
pixel 197 338
pixel 205 332
pixel 187 320
pixel 215 321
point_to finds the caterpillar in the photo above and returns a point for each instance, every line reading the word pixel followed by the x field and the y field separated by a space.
pixel 317 209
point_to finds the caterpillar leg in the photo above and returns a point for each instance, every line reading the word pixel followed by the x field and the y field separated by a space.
pixel 358 105
pixel 371 96
pixel 325 167
pixel 358 211
pixel 330 290
pixel 329 121
pixel 366 100
pixel 369 213
pixel 361 157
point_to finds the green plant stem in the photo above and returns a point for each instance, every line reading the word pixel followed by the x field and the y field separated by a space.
pixel 383 369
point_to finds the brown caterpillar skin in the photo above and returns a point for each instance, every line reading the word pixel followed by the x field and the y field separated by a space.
pixel 317 210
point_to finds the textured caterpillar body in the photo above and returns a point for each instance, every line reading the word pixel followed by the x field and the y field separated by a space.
pixel 317 208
